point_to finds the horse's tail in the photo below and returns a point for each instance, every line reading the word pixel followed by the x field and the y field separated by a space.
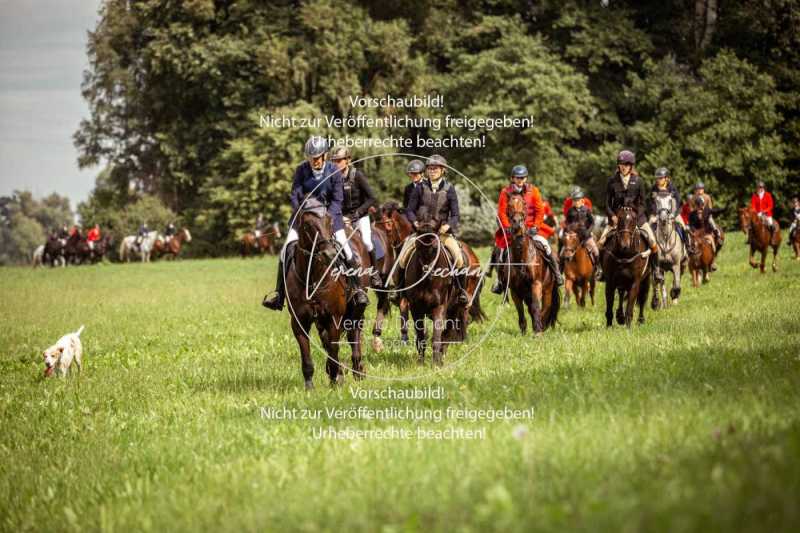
pixel 555 305
pixel 475 311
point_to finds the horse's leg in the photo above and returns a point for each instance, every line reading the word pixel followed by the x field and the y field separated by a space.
pixel 330 334
pixel 633 296
pixel 675 294
pixel 439 316
pixel 522 320
pixel 750 258
pixel 654 304
pixel 610 291
pixel 307 364
pixel 354 338
pixel 775 257
pixel 419 329
pixel 535 307
pixel 404 321
pixel 591 286
pixel 642 298
pixel 377 329
pixel 764 253
pixel 621 309
pixel 569 284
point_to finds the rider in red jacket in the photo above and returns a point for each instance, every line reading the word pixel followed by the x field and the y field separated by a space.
pixel 93 236
pixel 534 221
pixel 762 204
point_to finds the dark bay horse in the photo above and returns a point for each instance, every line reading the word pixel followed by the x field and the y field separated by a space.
pixel 316 292
pixel 760 238
pixel 702 257
pixel 54 251
pixel 432 292
pixel 172 248
pixel 394 227
pixel 527 276
pixel 627 269
pixel 578 268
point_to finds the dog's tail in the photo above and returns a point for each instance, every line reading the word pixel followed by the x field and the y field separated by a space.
pixel 80 330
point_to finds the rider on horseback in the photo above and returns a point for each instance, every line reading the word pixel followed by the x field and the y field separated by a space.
pixel 626 189
pixel 794 214
pixel 700 215
pixel 319 179
pixel 143 231
pixel 93 236
pixel 533 220
pixel 169 232
pixel 414 171
pixel 761 203
pixel 259 229
pixel 358 198
pixel 580 215
pixel 665 188
pixel 437 197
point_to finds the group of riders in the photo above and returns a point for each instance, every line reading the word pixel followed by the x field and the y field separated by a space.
pixel 331 179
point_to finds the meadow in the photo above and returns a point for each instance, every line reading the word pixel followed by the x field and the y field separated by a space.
pixel 690 422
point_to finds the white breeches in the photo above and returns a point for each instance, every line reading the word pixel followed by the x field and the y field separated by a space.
pixel 546 245
pixel 340 236
pixel 365 228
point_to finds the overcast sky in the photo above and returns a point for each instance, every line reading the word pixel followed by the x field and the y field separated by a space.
pixel 42 58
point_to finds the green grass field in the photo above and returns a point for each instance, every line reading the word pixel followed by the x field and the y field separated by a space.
pixel 688 423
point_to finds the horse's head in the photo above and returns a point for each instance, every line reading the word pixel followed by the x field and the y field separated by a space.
pixel 570 245
pixel 427 234
pixel 315 233
pixel 517 210
pixel 626 227
pixel 745 218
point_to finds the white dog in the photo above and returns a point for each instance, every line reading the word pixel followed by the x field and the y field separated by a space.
pixel 59 356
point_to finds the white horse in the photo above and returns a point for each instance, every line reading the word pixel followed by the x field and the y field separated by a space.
pixel 128 247
pixel 38 256
pixel 672 255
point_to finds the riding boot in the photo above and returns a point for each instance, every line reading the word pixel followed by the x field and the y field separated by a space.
pixel 553 264
pixel 357 292
pixel 598 268
pixel 274 301
pixel 492 261
pixel 461 282
pixel 375 277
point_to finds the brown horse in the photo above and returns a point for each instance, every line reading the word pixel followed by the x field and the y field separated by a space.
pixel 627 268
pixel 760 237
pixel 704 252
pixel 578 269
pixel 316 292
pixel 394 228
pixel 527 276
pixel 250 245
pixel 161 247
pixel 432 291
pixel 795 240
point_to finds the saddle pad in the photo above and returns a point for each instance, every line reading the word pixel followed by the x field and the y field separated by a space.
pixel 376 243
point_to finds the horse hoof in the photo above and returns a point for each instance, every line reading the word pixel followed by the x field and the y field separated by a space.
pixel 377 344
pixel 309 384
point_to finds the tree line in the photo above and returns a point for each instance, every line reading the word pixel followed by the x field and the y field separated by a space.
pixel 707 88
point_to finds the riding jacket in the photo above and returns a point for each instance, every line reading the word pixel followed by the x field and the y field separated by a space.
pixel 763 204
pixel 656 192
pixel 568 205
pixel 533 201
pixel 407 192
pixel 583 218
pixel 441 204
pixel 327 189
pixel 357 194
pixel 618 196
